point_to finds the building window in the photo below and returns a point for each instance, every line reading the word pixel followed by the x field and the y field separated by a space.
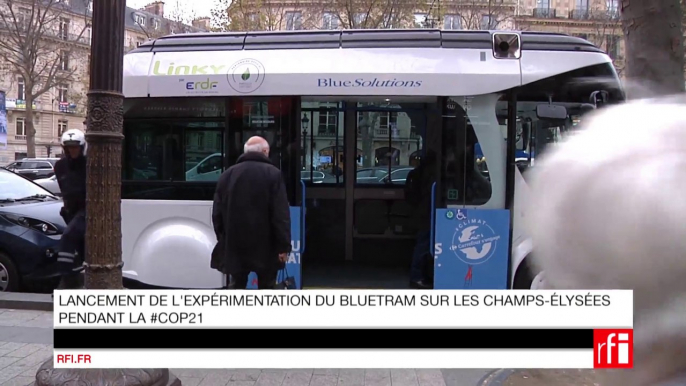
pixel 452 22
pixel 64 61
pixel 201 140
pixel 388 21
pixel 387 120
pixel 24 17
pixel 420 20
pixel 251 17
pixel 20 128
pixel 582 5
pixel 543 4
pixel 156 23
pixel 330 21
pixel 613 8
pixel 62 91
pixel 139 19
pixel 90 6
pixel 612 46
pixel 64 29
pixel 21 88
pixel 488 22
pixel 61 127
pixel 358 19
pixel 294 21
pixel 327 123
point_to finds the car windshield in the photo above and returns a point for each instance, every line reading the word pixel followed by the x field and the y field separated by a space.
pixel 14 187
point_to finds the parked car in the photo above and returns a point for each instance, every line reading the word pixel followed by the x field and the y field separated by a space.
pixel 30 229
pixel 34 168
pixel 316 176
pixel 379 175
pixel 209 169
pixel 50 184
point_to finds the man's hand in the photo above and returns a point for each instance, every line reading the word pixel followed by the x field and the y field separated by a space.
pixel 283 257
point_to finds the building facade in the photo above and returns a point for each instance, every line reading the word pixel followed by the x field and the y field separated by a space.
pixel 597 21
pixel 63 106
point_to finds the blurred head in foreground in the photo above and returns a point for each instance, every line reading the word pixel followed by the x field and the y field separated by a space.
pixel 609 212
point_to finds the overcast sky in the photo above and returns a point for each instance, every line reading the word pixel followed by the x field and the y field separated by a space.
pixel 199 7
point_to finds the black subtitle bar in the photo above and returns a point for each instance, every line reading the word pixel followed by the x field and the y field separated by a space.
pixel 202 338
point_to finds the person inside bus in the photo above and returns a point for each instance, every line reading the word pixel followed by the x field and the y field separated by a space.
pixel 251 218
pixel 478 188
pixel 418 194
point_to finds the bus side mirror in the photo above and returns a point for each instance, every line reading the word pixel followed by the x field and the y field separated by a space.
pixel 550 112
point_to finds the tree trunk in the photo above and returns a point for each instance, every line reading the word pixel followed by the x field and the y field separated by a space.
pixel 29 128
pixel 654 47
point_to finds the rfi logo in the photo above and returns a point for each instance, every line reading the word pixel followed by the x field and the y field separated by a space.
pixel 613 349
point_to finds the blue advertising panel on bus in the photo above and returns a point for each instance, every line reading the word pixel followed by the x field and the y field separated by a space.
pixel 471 248
pixel 293 264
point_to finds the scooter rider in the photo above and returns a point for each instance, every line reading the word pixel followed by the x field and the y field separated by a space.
pixel 70 171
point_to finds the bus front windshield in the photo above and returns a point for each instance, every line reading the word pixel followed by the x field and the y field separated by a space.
pixel 550 109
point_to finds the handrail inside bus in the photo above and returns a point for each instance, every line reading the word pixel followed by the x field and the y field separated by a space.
pixel 432 247
pixel 302 220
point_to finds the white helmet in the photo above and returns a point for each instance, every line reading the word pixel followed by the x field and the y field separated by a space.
pixel 73 137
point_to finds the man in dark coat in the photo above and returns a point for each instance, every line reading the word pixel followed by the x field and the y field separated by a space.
pixel 251 217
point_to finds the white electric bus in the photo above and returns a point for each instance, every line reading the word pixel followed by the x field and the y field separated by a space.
pixel 348 115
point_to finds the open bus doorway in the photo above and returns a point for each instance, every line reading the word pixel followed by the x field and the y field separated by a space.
pixel 356 156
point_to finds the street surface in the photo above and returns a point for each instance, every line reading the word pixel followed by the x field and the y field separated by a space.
pixel 26 342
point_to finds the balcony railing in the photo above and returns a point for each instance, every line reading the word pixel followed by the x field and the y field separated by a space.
pixel 326 133
pixel 20 138
pixel 20 104
pixel 586 14
pixel 580 14
pixel 382 132
pixel 68 108
pixel 545 13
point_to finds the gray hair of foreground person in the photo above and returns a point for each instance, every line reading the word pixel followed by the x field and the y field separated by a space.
pixel 256 145
pixel 608 211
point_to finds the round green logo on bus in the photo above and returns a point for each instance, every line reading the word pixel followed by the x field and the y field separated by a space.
pixel 246 75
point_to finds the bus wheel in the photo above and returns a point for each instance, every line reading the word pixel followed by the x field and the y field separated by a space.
pixel 526 278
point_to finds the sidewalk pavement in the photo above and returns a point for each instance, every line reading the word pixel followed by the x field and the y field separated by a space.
pixel 561 377
pixel 26 342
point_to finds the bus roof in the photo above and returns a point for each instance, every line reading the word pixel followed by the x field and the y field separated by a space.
pixel 348 62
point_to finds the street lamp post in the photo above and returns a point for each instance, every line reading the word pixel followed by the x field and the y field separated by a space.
pixel 305 123
pixel 104 125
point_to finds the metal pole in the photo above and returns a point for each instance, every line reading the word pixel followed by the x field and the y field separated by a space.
pixel 105 119
pixel 103 192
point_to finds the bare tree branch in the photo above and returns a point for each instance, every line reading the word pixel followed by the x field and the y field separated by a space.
pixel 39 43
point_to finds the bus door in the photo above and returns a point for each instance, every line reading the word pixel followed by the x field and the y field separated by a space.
pixel 274 119
pixel 323 172
pixel 391 137
pixel 471 225
pixel 357 154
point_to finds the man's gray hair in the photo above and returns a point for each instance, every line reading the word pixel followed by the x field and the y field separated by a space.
pixel 256 147
pixel 608 212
